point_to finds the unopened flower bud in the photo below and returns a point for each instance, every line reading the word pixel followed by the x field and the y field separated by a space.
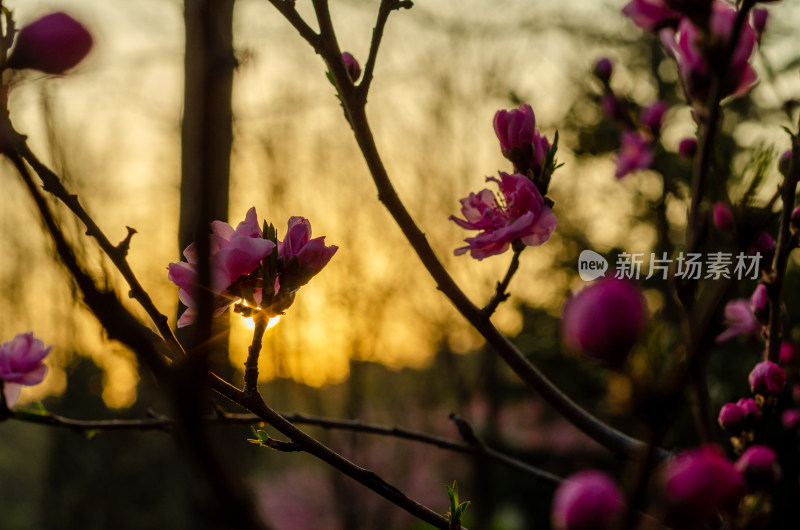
pixel 653 115
pixel 794 220
pixel 759 303
pixel 788 355
pixel 723 217
pixel 588 499
pixel 731 418
pixel 352 66
pixel 697 484
pixel 751 412
pixel 603 69
pixel 759 467
pixel 767 379
pixel 52 44
pixel 605 319
pixel 790 419
pixel 688 147
pixel 785 163
pixel 764 245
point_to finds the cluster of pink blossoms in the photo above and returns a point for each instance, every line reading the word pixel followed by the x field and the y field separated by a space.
pixel 240 267
pixel 522 212
pixel 698 34
pixel 21 364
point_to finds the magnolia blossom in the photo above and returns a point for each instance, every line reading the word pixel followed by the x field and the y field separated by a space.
pixel 698 483
pixel 300 256
pixel 521 214
pixel 52 44
pixel 696 54
pixel 634 153
pixel 587 500
pixel 21 364
pixel 520 141
pixel 233 254
pixel 651 14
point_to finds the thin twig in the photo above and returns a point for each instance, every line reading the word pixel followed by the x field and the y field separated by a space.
pixel 251 365
pixel 287 9
pixel 116 253
pixel 501 295
pixel 385 9
pixel 786 242
pixel 255 404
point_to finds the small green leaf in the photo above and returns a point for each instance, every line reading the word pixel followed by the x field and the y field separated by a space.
pixel 90 433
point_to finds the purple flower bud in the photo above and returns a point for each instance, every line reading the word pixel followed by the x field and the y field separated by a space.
pixel 52 44
pixel 751 412
pixel 731 418
pixel 788 354
pixel 688 147
pixel 723 217
pixel 785 163
pixel 698 483
pixel 352 66
pixel 653 115
pixel 605 319
pixel 759 303
pixel 791 419
pixel 759 466
pixel 764 245
pixel 767 379
pixel 603 69
pixel 586 500
pixel 795 219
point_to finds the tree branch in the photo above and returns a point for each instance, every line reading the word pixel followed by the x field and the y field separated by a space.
pixel 501 295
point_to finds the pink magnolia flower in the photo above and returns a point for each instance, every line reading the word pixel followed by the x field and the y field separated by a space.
pixel 759 467
pixel 739 320
pixel 698 483
pixel 694 53
pixel 21 364
pixel 588 499
pixel 352 66
pixel 234 253
pixel 767 379
pixel 634 153
pixel 52 44
pixel 521 214
pixel 605 319
pixel 520 141
pixel 300 257
pixel 651 14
